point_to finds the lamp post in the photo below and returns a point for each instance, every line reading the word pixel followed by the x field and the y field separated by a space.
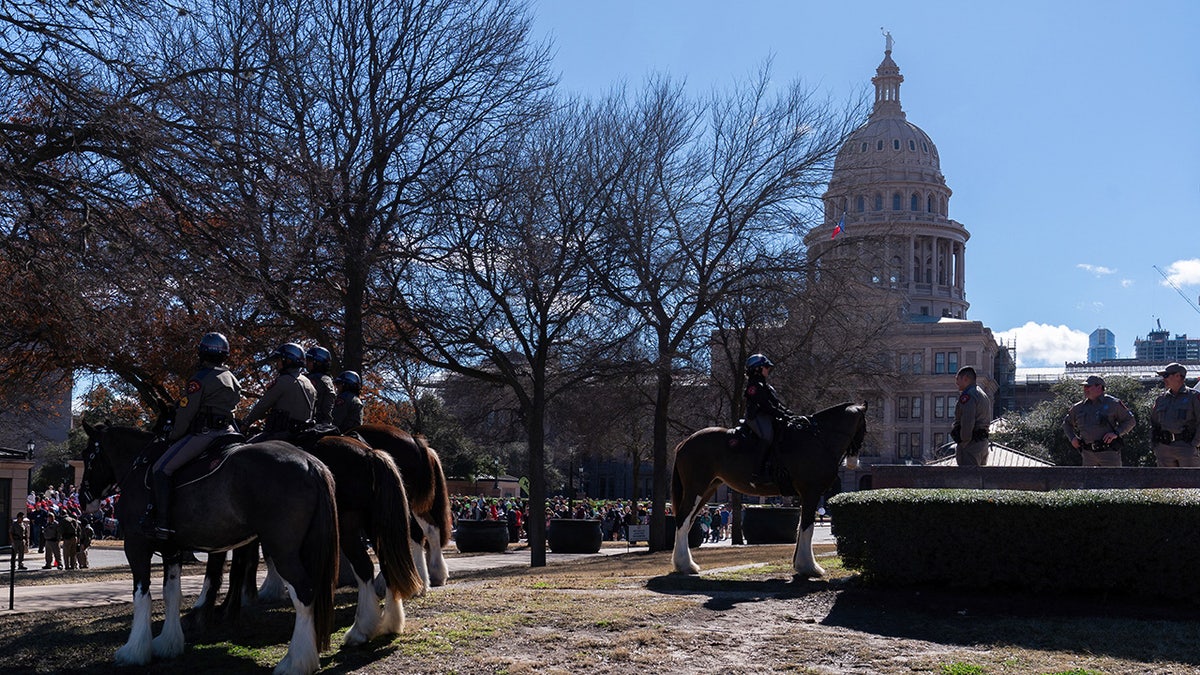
pixel 29 446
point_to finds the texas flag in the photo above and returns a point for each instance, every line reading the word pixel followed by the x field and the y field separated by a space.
pixel 839 227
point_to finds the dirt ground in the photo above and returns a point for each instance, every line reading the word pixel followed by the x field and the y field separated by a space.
pixel 628 615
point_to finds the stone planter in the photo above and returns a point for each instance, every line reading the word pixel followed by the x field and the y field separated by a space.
pixel 567 535
pixel 770 525
pixel 481 536
pixel 695 535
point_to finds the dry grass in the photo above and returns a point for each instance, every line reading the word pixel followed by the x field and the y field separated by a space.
pixel 629 615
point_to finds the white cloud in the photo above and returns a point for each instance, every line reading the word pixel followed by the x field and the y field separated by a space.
pixel 1126 283
pixel 1098 270
pixel 1184 272
pixel 1043 345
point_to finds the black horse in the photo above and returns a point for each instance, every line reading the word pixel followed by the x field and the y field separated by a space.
pixel 808 460
pixel 270 491
pixel 371 502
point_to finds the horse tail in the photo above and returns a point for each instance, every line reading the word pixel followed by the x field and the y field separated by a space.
pixel 391 520
pixel 439 511
pixel 320 554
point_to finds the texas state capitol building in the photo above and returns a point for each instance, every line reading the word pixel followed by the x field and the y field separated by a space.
pixel 887 183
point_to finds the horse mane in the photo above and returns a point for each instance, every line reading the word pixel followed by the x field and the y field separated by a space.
pixel 133 433
pixel 837 408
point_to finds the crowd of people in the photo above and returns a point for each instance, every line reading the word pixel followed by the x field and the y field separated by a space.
pixel 615 516
pixel 55 523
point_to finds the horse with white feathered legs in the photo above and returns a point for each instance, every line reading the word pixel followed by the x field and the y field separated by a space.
pixel 806 465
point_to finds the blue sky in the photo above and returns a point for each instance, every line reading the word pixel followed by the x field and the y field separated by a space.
pixel 1067 130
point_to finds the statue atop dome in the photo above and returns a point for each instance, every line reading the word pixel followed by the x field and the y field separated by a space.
pixel 887 34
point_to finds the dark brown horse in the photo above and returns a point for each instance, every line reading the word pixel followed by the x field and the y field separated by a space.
pixel 371 504
pixel 428 500
pixel 808 461
pixel 270 491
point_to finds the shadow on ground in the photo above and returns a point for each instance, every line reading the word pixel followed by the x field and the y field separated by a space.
pixel 1119 627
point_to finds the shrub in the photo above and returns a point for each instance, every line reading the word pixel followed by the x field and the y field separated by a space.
pixel 1138 542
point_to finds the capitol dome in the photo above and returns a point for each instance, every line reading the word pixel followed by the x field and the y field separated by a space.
pixel 887 208
pixel 888 146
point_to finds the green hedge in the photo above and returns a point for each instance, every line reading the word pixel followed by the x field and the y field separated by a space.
pixel 1136 542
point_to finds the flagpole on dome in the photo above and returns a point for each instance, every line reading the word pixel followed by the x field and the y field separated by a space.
pixel 840 227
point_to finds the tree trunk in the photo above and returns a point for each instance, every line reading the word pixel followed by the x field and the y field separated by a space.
pixel 536 523
pixel 662 476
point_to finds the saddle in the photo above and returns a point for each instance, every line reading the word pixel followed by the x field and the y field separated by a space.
pixel 307 437
pixel 742 439
pixel 202 466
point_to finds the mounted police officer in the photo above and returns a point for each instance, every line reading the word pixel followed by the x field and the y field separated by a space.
pixel 764 410
pixel 203 413
pixel 972 417
pixel 1095 425
pixel 316 362
pixel 287 404
pixel 1175 420
pixel 763 407
pixel 348 408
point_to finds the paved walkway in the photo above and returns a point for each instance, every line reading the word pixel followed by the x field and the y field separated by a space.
pixel 67 595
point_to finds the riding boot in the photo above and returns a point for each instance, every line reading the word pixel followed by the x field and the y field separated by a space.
pixel 161 486
pixel 759 475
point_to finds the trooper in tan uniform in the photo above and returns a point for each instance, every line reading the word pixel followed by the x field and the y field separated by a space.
pixel 1175 420
pixel 1095 425
pixel 204 413
pixel 287 404
pixel 972 417
pixel 316 362
pixel 348 408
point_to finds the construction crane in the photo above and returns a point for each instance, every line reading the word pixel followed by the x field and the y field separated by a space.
pixel 1178 290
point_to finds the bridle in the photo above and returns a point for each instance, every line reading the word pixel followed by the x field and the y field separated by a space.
pixel 94 452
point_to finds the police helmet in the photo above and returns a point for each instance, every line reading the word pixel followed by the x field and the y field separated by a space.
pixel 213 346
pixel 350 380
pixel 319 356
pixel 290 353
pixel 757 361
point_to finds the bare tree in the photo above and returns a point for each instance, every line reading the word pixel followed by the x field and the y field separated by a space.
pixel 504 290
pixel 713 201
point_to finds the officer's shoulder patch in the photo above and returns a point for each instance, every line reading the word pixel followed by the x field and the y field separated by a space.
pixel 752 389
pixel 339 401
pixel 193 386
pixel 965 398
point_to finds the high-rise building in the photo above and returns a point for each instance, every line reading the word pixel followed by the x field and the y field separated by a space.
pixel 1159 346
pixel 890 205
pixel 1102 344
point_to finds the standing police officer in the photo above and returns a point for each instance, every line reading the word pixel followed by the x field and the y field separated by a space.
pixel 1095 425
pixel 288 401
pixel 1175 420
pixel 348 407
pixel 972 417
pixel 316 362
pixel 204 412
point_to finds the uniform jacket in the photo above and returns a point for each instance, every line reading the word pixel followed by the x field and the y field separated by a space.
pixel 1178 413
pixel 212 391
pixel 326 393
pixel 761 399
pixel 347 411
pixel 290 392
pixel 1089 421
pixel 972 413
pixel 18 531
